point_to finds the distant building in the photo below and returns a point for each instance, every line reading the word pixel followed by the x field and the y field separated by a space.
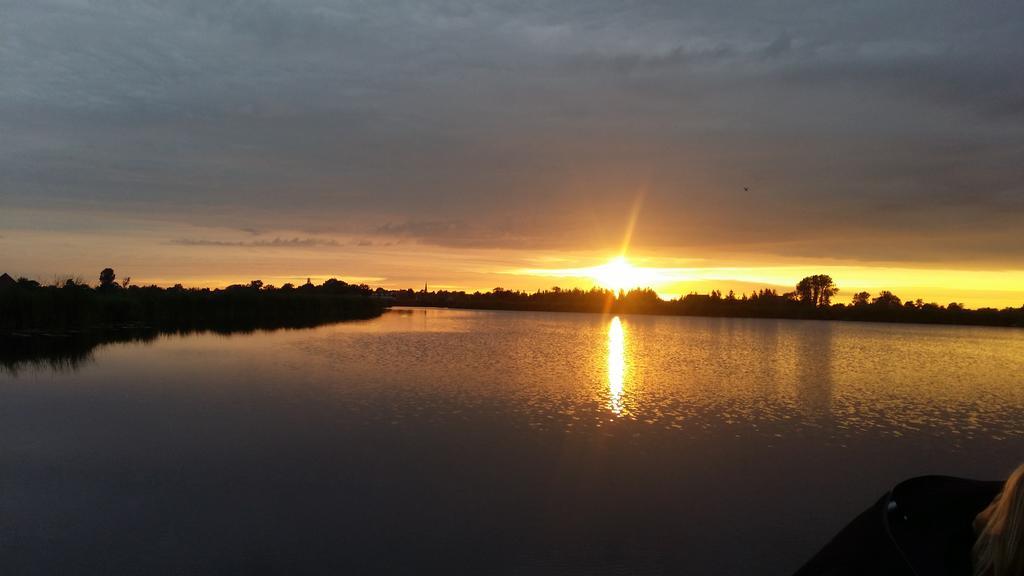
pixel 6 280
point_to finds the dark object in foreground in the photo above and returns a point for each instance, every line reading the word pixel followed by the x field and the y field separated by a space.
pixel 920 527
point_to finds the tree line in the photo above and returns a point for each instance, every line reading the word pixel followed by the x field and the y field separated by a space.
pixel 73 305
pixel 812 298
pixel 70 305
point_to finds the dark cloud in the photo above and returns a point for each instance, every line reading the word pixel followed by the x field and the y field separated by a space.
pixel 461 234
pixel 274 243
pixel 530 124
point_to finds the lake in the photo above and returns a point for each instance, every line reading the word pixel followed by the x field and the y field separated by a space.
pixel 478 442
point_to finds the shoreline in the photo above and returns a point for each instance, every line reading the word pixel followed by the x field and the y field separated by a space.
pixel 614 311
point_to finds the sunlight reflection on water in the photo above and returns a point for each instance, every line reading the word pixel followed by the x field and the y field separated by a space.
pixel 616 364
pixel 765 377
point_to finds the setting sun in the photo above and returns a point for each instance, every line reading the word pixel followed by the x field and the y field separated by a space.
pixel 619 274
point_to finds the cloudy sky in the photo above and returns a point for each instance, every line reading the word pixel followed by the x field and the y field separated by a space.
pixel 474 144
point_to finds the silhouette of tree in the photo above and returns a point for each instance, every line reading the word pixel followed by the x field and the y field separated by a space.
pixel 816 290
pixel 887 299
pixel 77 306
pixel 826 289
pixel 107 277
pixel 861 299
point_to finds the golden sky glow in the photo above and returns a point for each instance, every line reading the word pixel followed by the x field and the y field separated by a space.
pixel 975 287
pixel 150 252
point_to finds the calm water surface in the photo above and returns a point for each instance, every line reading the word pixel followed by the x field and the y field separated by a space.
pixel 470 442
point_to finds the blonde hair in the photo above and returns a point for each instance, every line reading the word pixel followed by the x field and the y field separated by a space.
pixel 999 549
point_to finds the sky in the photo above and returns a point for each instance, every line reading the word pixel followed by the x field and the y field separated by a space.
pixel 469 145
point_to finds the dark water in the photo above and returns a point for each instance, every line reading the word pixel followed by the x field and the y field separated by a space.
pixel 466 442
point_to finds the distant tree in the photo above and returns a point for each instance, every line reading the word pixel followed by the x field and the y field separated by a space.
pixel 861 299
pixel 256 284
pixel 816 290
pixel 887 299
pixel 107 277
pixel 955 306
pixel 127 280
pixel 24 282
pixel 804 291
pixel 826 289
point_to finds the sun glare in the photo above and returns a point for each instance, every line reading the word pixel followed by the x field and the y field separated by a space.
pixel 619 274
